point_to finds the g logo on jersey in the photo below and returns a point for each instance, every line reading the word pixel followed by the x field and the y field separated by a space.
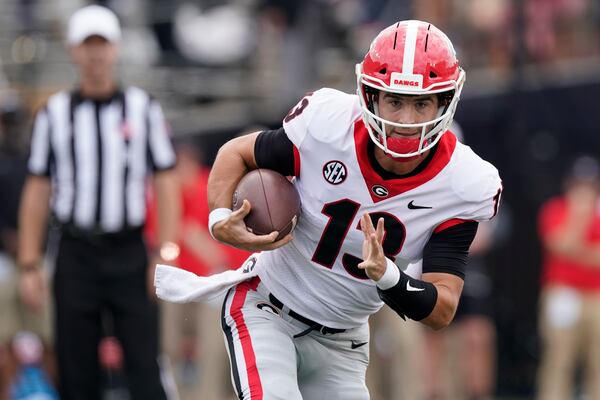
pixel 380 191
pixel 334 172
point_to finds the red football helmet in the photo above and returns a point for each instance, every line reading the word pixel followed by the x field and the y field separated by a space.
pixel 410 58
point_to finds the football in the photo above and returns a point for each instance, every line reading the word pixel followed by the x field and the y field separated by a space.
pixel 275 203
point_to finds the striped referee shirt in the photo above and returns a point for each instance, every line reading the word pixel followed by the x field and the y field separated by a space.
pixel 98 154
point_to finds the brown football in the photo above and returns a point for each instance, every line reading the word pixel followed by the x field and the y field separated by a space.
pixel 274 201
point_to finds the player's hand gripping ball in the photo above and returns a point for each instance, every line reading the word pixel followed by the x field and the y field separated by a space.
pixel 274 201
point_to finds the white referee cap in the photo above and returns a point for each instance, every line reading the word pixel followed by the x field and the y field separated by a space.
pixel 93 20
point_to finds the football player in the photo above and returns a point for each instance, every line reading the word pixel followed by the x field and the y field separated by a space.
pixel 383 182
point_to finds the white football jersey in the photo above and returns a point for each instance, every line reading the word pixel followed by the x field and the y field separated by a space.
pixel 316 274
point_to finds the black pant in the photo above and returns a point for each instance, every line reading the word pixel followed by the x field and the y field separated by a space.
pixel 95 275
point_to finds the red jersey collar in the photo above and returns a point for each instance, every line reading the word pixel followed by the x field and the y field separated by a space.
pixel 393 187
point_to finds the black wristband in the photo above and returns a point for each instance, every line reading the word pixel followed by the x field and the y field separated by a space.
pixel 412 298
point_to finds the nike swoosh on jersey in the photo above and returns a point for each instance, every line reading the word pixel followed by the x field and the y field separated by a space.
pixel 356 345
pixel 413 206
pixel 412 288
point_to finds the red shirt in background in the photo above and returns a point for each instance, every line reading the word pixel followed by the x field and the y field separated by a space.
pixel 194 209
pixel 561 270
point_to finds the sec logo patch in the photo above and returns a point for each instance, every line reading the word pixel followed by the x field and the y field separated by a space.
pixel 334 172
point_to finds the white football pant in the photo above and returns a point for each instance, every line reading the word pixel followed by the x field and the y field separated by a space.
pixel 268 363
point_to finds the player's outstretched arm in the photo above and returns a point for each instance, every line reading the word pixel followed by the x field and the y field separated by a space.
pixel 432 300
pixel 234 160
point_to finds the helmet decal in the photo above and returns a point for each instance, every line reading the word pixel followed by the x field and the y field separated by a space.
pixel 410 44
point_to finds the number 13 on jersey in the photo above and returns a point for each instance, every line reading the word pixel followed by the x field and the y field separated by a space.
pixel 341 213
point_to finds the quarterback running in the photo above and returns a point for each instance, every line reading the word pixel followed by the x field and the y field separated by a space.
pixel 383 183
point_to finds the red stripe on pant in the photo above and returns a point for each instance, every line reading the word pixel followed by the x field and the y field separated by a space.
pixel 256 391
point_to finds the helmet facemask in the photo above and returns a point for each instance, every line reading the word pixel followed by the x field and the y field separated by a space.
pixel 406 149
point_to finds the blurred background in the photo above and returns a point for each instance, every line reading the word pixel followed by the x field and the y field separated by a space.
pixel 529 105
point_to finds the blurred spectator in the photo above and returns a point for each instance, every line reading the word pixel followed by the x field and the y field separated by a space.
pixel 161 13
pixel 31 380
pixel 557 29
pixel 12 175
pixel 287 57
pixel 569 228
pixel 487 32
pixel 192 337
pixel 110 356
pixel 374 16
pixel 13 163
pixel 91 151
pixel 217 36
pixel 438 12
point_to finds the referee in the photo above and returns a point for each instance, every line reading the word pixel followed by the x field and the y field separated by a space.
pixel 91 151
